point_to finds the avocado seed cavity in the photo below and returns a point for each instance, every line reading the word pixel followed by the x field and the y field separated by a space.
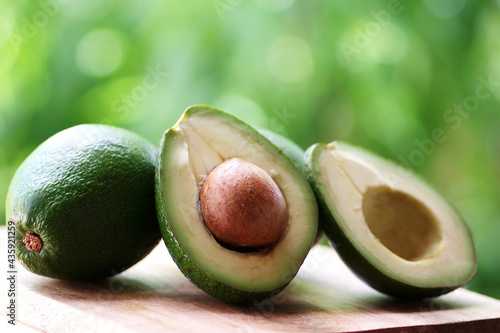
pixel 402 223
pixel 33 242
pixel 242 206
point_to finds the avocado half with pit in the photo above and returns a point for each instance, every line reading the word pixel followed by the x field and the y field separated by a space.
pixel 237 216
pixel 388 225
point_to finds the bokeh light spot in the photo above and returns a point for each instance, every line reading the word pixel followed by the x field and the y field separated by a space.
pixel 389 46
pixel 5 33
pixel 275 5
pixel 100 52
pixel 243 108
pixel 445 8
pixel 391 123
pixel 290 60
pixel 89 9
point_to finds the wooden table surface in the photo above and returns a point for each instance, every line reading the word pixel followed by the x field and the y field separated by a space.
pixel 153 296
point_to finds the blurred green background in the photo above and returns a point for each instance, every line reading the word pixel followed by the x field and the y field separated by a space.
pixel 415 81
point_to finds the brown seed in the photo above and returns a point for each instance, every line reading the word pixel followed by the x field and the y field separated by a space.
pixel 242 205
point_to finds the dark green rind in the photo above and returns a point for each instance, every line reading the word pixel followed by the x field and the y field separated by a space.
pixel 193 273
pixel 347 251
pixel 94 221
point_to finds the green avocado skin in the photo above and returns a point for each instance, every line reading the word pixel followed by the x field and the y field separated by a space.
pixel 88 192
pixel 358 264
pixel 193 273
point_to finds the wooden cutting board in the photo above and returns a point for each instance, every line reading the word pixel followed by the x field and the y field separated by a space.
pixel 153 296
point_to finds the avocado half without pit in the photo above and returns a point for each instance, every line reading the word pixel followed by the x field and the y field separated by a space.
pixel 388 225
pixel 236 214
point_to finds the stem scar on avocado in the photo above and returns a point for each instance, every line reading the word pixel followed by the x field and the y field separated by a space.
pixel 33 242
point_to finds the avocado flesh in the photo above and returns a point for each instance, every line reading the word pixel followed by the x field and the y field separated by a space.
pixel 88 193
pixel 202 139
pixel 389 226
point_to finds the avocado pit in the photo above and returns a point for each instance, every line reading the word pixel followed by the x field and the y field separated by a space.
pixel 33 242
pixel 242 206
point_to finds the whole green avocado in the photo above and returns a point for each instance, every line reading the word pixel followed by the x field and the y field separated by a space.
pixel 83 203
